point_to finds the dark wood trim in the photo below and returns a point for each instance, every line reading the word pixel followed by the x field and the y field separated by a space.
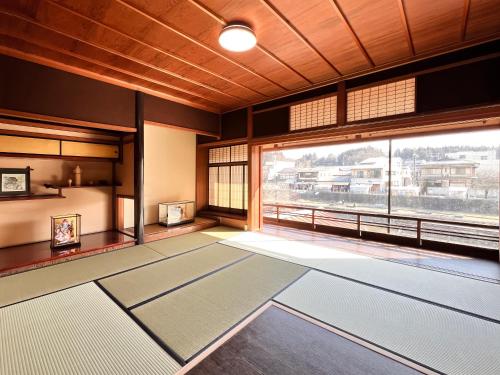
pixel 295 102
pixel 404 21
pixel 429 123
pixel 345 21
pixel 226 142
pixel 341 104
pixel 177 127
pixel 31 197
pixel 67 121
pixel 399 63
pixel 299 36
pixel 139 169
pixel 53 126
pixel 128 139
pixel 114 213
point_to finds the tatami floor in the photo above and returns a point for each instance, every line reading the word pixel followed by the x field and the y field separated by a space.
pixel 221 301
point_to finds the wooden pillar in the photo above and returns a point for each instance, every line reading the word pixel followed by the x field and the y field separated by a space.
pixel 341 104
pixel 139 169
pixel 254 215
pixel 201 178
pixel 114 211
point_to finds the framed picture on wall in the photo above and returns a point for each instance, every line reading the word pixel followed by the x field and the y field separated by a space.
pixel 65 230
pixel 14 181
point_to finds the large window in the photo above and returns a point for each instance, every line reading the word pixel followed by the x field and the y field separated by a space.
pixel 227 178
pixel 415 187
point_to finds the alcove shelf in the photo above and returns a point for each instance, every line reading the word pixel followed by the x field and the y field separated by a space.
pixel 61 187
pixel 32 197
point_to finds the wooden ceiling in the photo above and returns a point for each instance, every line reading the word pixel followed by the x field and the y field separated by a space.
pixel 169 48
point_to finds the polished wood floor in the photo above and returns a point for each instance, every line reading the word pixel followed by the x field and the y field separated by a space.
pixel 482 269
pixel 280 343
pixel 155 232
pixel 23 257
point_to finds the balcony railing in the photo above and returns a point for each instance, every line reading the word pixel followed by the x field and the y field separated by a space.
pixel 438 234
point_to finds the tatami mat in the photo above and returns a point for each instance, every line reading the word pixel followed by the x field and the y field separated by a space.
pixel 22 286
pixel 181 244
pixel 190 318
pixel 474 296
pixel 76 331
pixel 444 340
pixel 138 285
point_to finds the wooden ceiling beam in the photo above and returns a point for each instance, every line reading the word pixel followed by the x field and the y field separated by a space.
pixel 465 20
pixel 345 21
pixel 198 43
pixel 113 67
pixel 222 21
pixel 9 51
pixel 298 34
pixel 406 26
pixel 159 50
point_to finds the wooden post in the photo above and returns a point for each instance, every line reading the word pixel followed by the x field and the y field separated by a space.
pixel 341 104
pixel 139 168
pixel 254 215
pixel 114 212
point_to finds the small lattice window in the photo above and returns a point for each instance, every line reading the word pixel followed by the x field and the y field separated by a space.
pixel 239 153
pixel 383 100
pixel 317 113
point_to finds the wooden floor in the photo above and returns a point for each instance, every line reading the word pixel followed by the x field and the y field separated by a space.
pixel 481 269
pixel 24 257
pixel 155 232
pixel 280 343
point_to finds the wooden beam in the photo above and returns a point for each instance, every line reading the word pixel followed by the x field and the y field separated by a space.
pixel 404 21
pixel 341 104
pixel 432 122
pixel 345 21
pixel 299 35
pixel 224 22
pixel 201 179
pixel 177 127
pixel 159 50
pixel 139 169
pixel 115 67
pixel 198 43
pixel 254 215
pixel 62 120
pixel 465 20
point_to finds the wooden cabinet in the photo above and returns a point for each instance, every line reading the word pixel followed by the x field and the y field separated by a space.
pixel 93 150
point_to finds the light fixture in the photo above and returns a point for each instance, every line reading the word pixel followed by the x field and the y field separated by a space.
pixel 237 37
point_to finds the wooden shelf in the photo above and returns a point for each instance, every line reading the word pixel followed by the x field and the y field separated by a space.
pixel 31 197
pixel 56 187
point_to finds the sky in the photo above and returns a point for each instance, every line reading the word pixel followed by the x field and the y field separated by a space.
pixel 489 138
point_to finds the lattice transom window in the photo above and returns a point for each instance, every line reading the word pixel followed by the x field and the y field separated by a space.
pixel 383 100
pixel 321 112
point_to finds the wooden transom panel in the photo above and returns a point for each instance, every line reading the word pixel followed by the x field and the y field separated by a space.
pixel 170 48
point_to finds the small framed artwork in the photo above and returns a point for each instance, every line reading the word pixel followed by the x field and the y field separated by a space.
pixel 14 181
pixel 65 231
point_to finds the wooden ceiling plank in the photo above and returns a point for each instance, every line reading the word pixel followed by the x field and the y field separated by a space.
pixel 198 43
pixel 404 21
pixel 465 20
pixel 30 40
pixel 224 22
pixel 17 53
pixel 114 67
pixel 355 37
pixel 159 50
pixel 298 34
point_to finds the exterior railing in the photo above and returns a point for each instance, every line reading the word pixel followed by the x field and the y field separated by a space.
pixel 411 230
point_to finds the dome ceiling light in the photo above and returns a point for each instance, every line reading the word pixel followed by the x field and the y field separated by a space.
pixel 237 37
